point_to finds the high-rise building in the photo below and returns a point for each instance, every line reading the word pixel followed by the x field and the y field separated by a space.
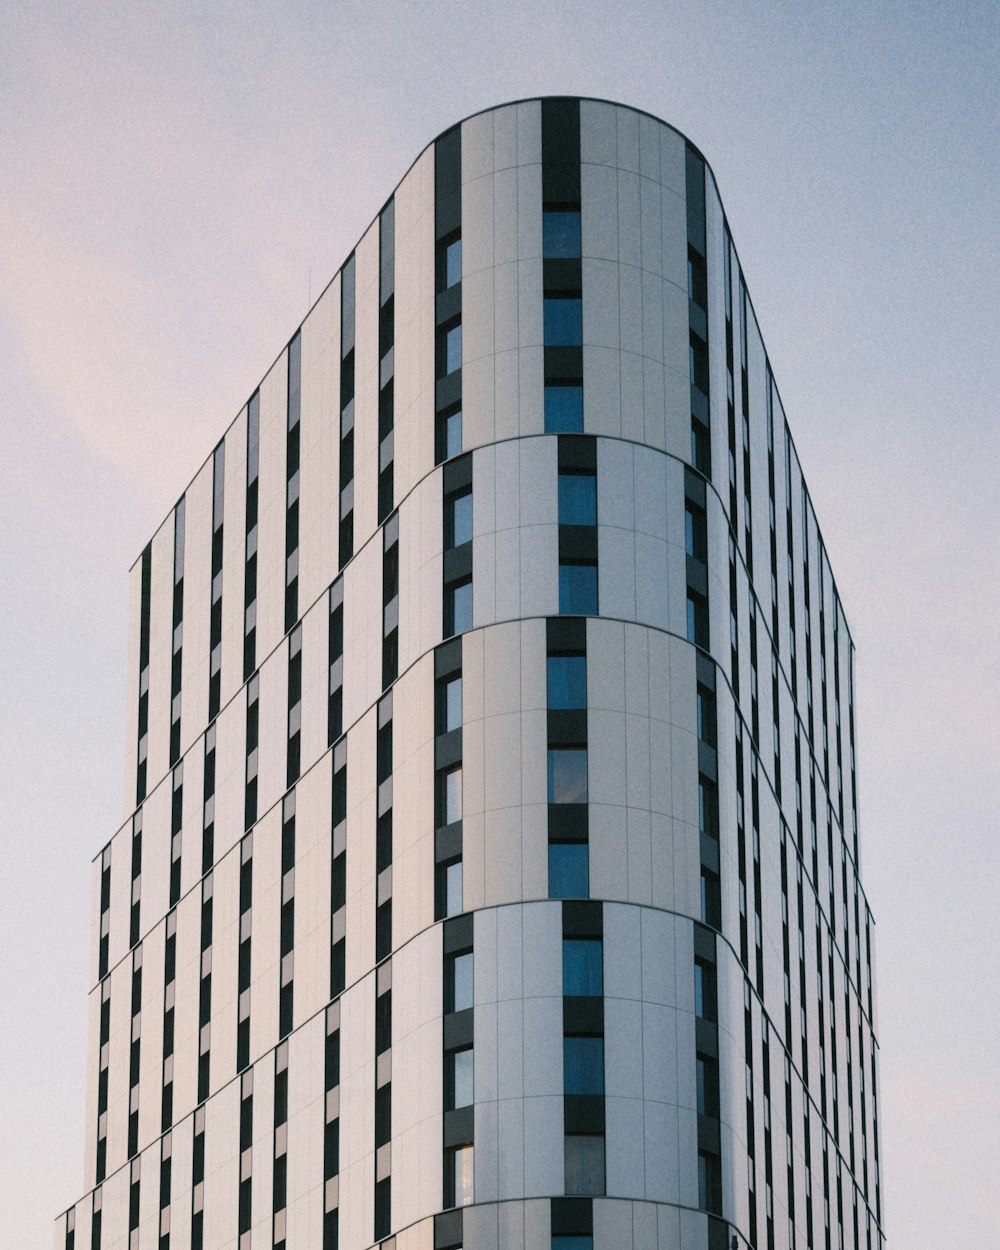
pixel 489 876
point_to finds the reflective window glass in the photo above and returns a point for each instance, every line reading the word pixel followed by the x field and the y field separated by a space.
pixel 563 317
pixel 560 234
pixel 569 870
pixel 567 775
pixel 578 589
pixel 567 681
pixel 583 1065
pixel 583 971
pixel 563 409
pixel 577 499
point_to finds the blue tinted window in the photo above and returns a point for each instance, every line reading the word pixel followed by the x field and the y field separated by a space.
pixel 563 321
pixel 452 434
pixel 568 775
pixel 569 874
pixel 579 1242
pixel 583 966
pixel 584 1164
pixel 563 409
pixel 458 983
pixel 458 520
pixel 577 499
pixel 453 888
pixel 458 608
pixel 578 589
pixel 452 704
pixel 462 1078
pixel 453 263
pixel 560 234
pixel 583 1065
pixel 453 349
pixel 567 681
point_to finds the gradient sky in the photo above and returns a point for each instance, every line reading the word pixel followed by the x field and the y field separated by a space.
pixel 177 184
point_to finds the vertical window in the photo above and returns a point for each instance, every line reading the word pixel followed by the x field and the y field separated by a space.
pixel 386 356
pixel 583 1065
pixel 577 498
pixel 583 967
pixel 577 588
pixel 569 870
pixel 459 1081
pixel 458 985
pixel 584 1162
pixel 292 449
pixel 449 433
pixel 458 519
pixel 450 704
pixel 458 608
pixel 563 407
pixel 567 775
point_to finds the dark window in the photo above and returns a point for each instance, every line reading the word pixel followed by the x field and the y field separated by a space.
pixel 560 233
pixel 577 499
pixel 583 972
pixel 567 681
pixel 563 408
pixel 583 1065
pixel 569 870
pixel 704 990
pixel 449 434
pixel 695 532
pixel 563 321
pixel 577 589
pixel 697 619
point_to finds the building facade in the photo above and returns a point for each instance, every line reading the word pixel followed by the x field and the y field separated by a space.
pixel 490 872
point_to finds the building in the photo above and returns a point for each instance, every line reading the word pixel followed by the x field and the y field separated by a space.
pixel 489 876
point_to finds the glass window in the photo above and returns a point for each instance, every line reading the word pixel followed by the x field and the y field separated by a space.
pixel 451 433
pixel 583 1065
pixel 460 1078
pixel 451 349
pixel 458 608
pixel 453 263
pixel 458 519
pixel 583 966
pixel 569 870
pixel 463 1175
pixel 704 990
pixel 453 888
pixel 581 1241
pixel 450 704
pixel 695 533
pixel 578 589
pixel 451 796
pixel 584 1164
pixel 564 409
pixel 577 499
pixel 568 775
pixel 458 982
pixel 563 316
pixel 567 681
pixel 560 233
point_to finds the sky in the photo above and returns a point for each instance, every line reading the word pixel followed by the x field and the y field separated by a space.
pixel 180 182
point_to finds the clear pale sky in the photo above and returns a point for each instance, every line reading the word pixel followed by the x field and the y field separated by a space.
pixel 177 184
